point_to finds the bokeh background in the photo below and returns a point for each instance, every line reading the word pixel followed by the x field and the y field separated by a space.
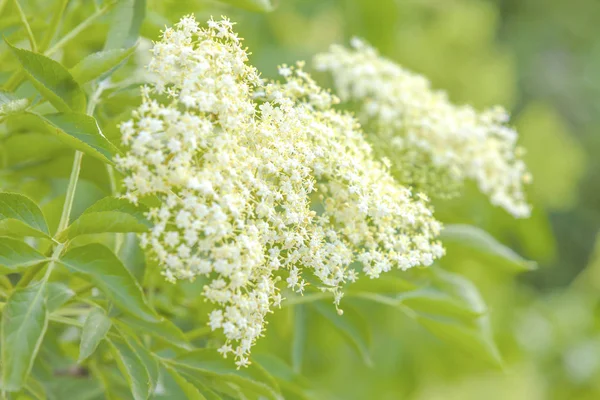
pixel 538 58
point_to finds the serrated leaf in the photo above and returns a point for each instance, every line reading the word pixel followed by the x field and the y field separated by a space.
pixel 254 5
pixel 16 255
pixel 133 369
pixel 20 216
pixel 52 80
pixel 477 239
pixel 24 323
pixel 96 326
pixel 183 389
pixel 352 325
pixel 57 294
pixel 476 342
pixel 109 215
pixel 81 132
pixel 111 277
pixel 208 362
pixel 99 64
pixel 127 18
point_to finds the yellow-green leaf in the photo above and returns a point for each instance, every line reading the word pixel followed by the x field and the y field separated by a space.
pixel 81 132
pixel 111 276
pixel 99 64
pixel 20 216
pixel 52 80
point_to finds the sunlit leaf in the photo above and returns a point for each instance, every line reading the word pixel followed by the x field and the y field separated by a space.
pixel 127 18
pixel 81 132
pixel 20 216
pixel 52 80
pixel 477 239
pixel 111 276
pixel 24 322
pixel 109 215
pixel 99 64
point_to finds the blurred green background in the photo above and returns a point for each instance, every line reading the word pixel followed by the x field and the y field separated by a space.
pixel 538 58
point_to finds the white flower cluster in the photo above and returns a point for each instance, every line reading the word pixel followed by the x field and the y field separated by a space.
pixel 260 183
pixel 434 145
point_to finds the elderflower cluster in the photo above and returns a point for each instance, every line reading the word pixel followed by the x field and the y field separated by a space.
pixel 434 145
pixel 260 183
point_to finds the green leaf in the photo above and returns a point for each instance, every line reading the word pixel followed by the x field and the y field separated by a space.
pixel 52 80
pixel 16 255
pixel 183 390
pixel 133 256
pixel 162 329
pixel 384 284
pixel 352 325
pixel 57 294
pixel 36 388
pixel 109 215
pixel 434 301
pixel 141 351
pixel 209 363
pixel 24 323
pixel 127 18
pixel 9 104
pixel 476 342
pixel 479 240
pixel 254 5
pixel 133 369
pixel 111 276
pixel 81 132
pixel 99 64
pixel 293 386
pixel 96 326
pixel 20 216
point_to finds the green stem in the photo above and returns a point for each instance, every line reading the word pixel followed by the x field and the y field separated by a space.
pixel 78 29
pixel 66 212
pixel 53 26
pixel 64 222
pixel 23 17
